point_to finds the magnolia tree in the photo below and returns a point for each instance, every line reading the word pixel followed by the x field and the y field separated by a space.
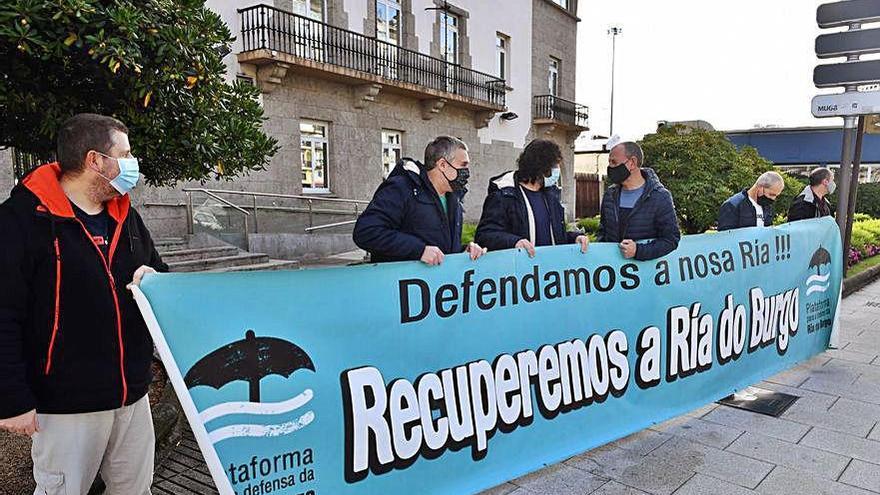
pixel 154 64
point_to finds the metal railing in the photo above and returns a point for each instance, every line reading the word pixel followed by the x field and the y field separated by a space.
pixel 265 27
pixel 310 201
pixel 555 108
pixel 23 162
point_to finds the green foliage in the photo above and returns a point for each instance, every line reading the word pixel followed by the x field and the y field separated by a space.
pixel 868 199
pixel 467 233
pixel 589 225
pixel 861 217
pixel 866 236
pixel 154 64
pixel 702 169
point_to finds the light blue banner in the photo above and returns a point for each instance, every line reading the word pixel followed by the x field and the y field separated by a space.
pixel 403 378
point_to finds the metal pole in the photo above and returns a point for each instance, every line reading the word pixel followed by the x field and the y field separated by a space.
pixel 311 219
pixel 854 183
pixel 256 222
pixel 845 178
pixel 614 32
pixel 189 213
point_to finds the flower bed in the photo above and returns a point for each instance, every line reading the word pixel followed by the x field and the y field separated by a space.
pixel 865 241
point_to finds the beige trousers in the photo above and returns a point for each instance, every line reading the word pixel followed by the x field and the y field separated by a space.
pixel 70 449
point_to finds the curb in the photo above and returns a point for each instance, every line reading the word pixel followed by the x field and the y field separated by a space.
pixel 856 282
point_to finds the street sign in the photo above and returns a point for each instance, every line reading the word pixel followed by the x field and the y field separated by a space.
pixel 860 42
pixel 847 73
pixel 850 11
pixel 846 104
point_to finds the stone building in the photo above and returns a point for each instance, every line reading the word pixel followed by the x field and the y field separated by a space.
pixel 349 86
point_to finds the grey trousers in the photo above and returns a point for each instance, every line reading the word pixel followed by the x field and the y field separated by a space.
pixel 70 449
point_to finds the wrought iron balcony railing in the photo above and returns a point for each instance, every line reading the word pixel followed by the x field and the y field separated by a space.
pixel 268 28
pixel 554 108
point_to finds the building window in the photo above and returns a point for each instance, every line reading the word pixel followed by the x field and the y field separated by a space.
pixel 553 77
pixel 391 152
pixel 449 36
pixel 313 149
pixel 313 9
pixel 388 21
pixel 502 46
pixel 561 3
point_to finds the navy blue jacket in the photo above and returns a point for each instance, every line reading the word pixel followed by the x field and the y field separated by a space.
pixel 506 218
pixel 405 216
pixel 737 212
pixel 652 217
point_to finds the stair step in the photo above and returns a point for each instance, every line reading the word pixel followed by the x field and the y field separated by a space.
pixel 197 253
pixel 271 265
pixel 237 260
pixel 168 242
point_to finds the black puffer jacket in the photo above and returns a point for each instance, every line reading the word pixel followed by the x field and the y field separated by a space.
pixel 405 215
pixel 72 339
pixel 652 217
pixel 738 212
pixel 507 217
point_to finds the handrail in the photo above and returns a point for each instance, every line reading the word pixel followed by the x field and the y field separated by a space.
pixel 270 28
pixel 214 193
pixel 275 195
pixel 224 201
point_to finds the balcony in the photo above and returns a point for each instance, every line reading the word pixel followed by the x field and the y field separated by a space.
pixel 275 40
pixel 556 112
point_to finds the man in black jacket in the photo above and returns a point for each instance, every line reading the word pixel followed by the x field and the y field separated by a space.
pixel 812 202
pixel 416 214
pixel 637 207
pixel 75 353
pixel 752 207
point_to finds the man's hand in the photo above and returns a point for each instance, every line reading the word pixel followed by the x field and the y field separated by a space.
pixel 139 275
pixel 628 248
pixel 583 241
pixel 475 251
pixel 432 255
pixel 25 424
pixel 527 245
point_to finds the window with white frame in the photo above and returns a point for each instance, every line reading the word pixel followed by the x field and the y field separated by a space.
pixel 553 76
pixel 502 50
pixel 388 21
pixel 561 3
pixel 313 151
pixel 391 150
pixel 313 9
pixel 449 33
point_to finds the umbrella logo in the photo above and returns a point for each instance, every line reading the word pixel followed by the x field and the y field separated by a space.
pixel 251 360
pixel 819 282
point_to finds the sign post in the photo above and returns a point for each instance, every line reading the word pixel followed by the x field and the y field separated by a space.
pixel 852 105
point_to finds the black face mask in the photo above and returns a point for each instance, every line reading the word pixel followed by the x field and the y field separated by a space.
pixel 619 173
pixel 461 179
pixel 765 201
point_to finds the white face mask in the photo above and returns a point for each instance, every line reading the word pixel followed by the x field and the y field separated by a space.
pixel 832 186
pixel 129 173
pixel 553 179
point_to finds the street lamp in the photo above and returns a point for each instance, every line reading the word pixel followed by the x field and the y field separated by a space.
pixel 613 31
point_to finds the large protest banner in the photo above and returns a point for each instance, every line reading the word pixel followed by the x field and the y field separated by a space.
pixel 403 378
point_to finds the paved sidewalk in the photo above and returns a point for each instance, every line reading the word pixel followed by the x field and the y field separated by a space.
pixel 827 443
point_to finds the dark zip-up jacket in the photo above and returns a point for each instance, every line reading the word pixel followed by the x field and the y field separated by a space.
pixel 738 212
pixel 72 339
pixel 405 216
pixel 652 217
pixel 507 216
pixel 808 205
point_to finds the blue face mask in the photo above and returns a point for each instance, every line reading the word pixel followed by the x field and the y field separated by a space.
pixel 129 173
pixel 553 179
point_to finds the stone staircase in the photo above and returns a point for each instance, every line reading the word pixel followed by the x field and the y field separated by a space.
pixel 203 253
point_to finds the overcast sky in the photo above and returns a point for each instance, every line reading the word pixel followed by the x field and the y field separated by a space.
pixel 734 64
